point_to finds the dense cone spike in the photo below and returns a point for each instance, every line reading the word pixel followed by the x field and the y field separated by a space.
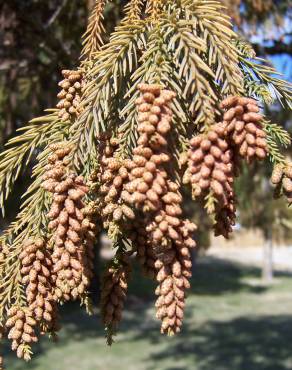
pixel 21 325
pixel 70 96
pixel 163 240
pixel 71 227
pixel 211 170
pixel 113 292
pixel 148 178
pixel 244 127
pixel 174 271
pixel 112 177
pixel 37 276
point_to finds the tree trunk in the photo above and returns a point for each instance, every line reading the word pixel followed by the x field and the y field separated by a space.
pixel 267 271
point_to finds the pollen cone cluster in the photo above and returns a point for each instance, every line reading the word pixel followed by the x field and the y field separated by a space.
pixel 282 179
pixel 70 95
pixel 150 189
pixel 244 127
pixel 148 177
pixel 114 290
pixel 112 178
pixel 210 164
pixel 163 240
pixel 70 226
pixel 211 168
pixel 111 155
pixel 174 271
pixel 21 325
pixel 36 275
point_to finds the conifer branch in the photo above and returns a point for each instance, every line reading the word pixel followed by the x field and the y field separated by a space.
pixel 115 61
pixel 276 136
pixel 133 11
pixel 215 28
pixel 192 69
pixel 153 9
pixel 31 221
pixel 257 89
pixel 22 148
pixel 257 70
pixel 93 37
pixel 142 108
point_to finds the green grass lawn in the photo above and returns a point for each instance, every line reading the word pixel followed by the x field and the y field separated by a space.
pixel 232 323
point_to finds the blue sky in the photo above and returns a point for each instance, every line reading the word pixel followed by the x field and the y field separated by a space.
pixel 267 34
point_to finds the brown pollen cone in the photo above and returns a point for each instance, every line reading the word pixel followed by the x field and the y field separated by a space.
pixel 211 168
pixel 70 226
pixel 70 95
pixel 163 238
pixel 113 292
pixel 148 176
pixel 113 175
pixel 36 273
pixel 244 127
pixel 150 188
pixel 21 325
pixel 174 271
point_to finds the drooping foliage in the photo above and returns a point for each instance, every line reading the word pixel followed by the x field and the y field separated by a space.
pixel 174 96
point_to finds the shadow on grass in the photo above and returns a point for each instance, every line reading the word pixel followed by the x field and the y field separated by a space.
pixel 211 276
pixel 241 344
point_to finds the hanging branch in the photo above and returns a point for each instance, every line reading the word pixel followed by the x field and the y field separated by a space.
pixel 276 137
pixel 93 37
pixel 169 100
pixel 114 61
pixel 257 71
pixel 216 29
pixel 22 148
pixel 193 69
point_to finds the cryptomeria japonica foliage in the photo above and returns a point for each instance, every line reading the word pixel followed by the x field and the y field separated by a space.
pixel 173 98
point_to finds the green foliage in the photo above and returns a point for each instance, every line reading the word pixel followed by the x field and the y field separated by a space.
pixel 260 77
pixel 276 136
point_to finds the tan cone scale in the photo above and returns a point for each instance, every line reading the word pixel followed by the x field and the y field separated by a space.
pixel 113 175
